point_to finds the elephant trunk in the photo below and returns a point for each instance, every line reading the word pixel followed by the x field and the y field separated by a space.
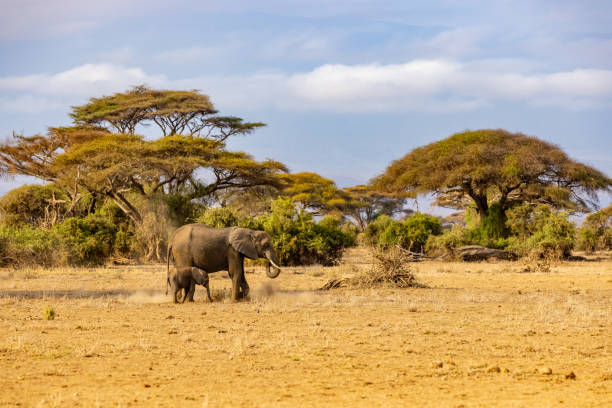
pixel 272 273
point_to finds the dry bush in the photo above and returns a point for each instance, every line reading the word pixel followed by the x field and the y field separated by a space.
pixel 390 268
pixel 536 264
pixel 153 232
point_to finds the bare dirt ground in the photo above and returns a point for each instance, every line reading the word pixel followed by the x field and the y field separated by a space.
pixel 488 334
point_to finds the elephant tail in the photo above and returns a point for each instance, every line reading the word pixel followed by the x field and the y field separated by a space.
pixel 168 254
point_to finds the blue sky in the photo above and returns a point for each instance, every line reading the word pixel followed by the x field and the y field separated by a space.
pixel 344 86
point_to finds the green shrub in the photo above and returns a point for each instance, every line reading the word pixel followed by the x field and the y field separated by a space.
pixel 491 232
pixel 30 246
pixel 592 239
pixel 371 234
pixel 596 231
pixel 125 242
pixel 31 204
pixel 182 209
pixel 218 217
pixel 299 240
pixel 87 241
pixel 540 231
pixel 411 234
pixel 447 242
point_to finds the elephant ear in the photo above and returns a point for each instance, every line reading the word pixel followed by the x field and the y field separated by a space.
pixel 242 241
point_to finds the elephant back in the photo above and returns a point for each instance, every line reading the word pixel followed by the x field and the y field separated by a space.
pixel 201 246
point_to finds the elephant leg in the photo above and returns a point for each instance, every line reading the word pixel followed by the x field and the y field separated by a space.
pixel 244 286
pixel 235 287
pixel 236 271
pixel 208 292
pixel 190 292
pixel 175 291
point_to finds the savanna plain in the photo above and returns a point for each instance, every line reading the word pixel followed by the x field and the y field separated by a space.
pixel 499 334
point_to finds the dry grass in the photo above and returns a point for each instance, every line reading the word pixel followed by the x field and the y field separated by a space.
pixel 481 335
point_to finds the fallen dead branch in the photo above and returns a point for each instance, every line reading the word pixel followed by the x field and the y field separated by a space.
pixel 410 256
pixel 480 253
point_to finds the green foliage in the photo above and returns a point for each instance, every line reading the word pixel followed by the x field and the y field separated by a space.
pixel 489 231
pixel 313 192
pixel 101 158
pixel 219 217
pixel 125 235
pixel 30 246
pixel 495 166
pixel 591 239
pixel 447 242
pixel 183 209
pixel 32 204
pixel 87 241
pixel 536 231
pixel 299 240
pixel 171 110
pixel 412 234
pixel 541 231
pixel 596 231
pixel 371 234
pixel 365 204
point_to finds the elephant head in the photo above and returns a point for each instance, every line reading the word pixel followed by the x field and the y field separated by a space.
pixel 200 276
pixel 254 245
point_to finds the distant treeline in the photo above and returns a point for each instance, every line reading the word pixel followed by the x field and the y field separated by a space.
pixel 108 193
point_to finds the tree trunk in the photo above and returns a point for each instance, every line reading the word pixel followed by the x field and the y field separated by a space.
pixel 126 207
pixel 482 206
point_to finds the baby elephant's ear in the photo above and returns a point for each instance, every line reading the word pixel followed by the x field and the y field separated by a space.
pixel 200 276
pixel 242 241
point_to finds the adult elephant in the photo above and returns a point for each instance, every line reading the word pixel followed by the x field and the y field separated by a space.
pixel 219 249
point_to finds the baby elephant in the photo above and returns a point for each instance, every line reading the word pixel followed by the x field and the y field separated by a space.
pixel 184 277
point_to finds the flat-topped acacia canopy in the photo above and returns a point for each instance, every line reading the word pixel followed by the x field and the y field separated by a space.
pixel 495 166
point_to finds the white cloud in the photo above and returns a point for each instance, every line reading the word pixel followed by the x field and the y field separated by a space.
pixel 439 85
pixel 84 80
pixel 44 92
pixel 419 85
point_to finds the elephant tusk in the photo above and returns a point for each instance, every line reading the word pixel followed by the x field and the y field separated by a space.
pixel 273 264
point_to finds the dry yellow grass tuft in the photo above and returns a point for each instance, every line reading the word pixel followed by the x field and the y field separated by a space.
pixel 48 313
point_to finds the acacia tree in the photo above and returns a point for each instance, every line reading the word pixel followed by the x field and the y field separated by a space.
pixel 358 204
pixel 175 112
pixel 308 190
pixel 495 167
pixel 365 204
pixel 101 156
pixel 311 191
pixel 35 156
